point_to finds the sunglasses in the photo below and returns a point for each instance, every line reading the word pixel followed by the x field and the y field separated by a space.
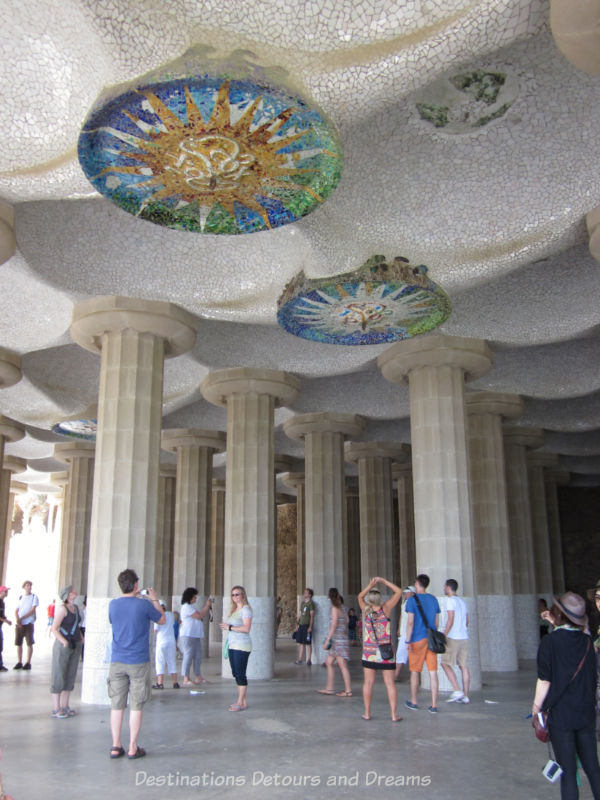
pixel 236 594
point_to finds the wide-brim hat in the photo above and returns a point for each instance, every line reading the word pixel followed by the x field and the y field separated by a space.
pixel 591 592
pixel 64 592
pixel 573 607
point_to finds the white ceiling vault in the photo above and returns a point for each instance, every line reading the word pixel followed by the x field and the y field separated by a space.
pixel 494 204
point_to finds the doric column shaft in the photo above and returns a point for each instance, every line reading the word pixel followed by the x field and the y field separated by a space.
pixel 352 583
pixel 539 521
pixel 133 337
pixel 250 396
pixel 297 481
pixel 10 466
pixel 491 537
pixel 8 242
pixel 10 431
pixel 77 512
pixel 402 474
pixel 554 478
pixel 165 530
pixel 516 442
pixel 216 560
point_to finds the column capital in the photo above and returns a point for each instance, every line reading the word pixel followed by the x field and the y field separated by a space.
pixel 14 464
pixel 473 356
pixel 92 318
pixel 283 463
pixel 538 459
pixel 64 451
pixel 12 431
pixel 174 438
pixel 397 451
pixel 168 470
pixel 8 242
pixel 509 406
pixel 527 437
pixel 59 478
pixel 282 499
pixel 222 383
pixel 10 368
pixel 293 479
pixel 18 487
pixel 323 422
pixel 402 470
pixel 575 25
pixel 558 476
pixel 218 485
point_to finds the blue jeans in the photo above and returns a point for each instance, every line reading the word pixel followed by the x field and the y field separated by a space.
pixel 238 661
pixel 567 746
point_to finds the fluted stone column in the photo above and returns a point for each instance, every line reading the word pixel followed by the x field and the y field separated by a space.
pixel 402 474
pixel 57 505
pixel 10 466
pixel 491 536
pixel 353 577
pixel 75 539
pixel 10 431
pixel 165 531
pixel 325 503
pixel 133 337
pixel 297 481
pixel 436 369
pixel 193 493
pixel 216 559
pixel 516 442
pixel 554 478
pixel 281 463
pixel 536 462
pixel 8 242
pixel 251 396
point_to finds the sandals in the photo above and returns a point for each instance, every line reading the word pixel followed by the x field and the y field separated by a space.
pixel 343 694
pixel 236 707
pixel 139 753
pixel 157 686
pixel 116 752
pixel 325 691
pixel 176 686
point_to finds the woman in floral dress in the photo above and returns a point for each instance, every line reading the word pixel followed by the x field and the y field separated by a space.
pixel 337 645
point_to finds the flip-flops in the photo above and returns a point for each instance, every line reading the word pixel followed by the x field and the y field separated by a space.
pixel 139 753
pixel 236 707
pixel 343 694
pixel 116 752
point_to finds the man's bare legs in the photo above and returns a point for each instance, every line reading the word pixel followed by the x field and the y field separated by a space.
pixel 116 724
pixel 434 682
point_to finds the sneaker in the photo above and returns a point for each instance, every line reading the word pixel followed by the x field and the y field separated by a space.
pixel 68 711
pixel 3 669
pixel 60 714
pixel 297 662
pixel 26 666
pixel 412 706
pixel 176 686
pixel 455 697
pixel 309 663
pixel 464 699
pixel 18 665
pixel 432 710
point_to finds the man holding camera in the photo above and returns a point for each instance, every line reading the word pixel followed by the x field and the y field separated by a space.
pixel 129 674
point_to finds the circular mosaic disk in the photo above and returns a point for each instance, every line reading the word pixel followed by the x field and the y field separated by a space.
pixel 375 304
pixel 211 155
pixel 77 429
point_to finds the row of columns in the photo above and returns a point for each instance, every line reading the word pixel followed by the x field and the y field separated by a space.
pixel 463 525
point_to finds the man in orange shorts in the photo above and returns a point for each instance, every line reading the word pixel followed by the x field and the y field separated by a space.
pixel 416 638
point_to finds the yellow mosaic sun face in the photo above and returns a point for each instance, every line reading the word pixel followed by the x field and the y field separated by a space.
pixel 247 159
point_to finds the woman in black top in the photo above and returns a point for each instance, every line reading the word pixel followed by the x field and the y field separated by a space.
pixel 566 689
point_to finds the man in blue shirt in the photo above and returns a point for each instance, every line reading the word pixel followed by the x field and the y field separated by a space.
pixel 416 639
pixel 129 673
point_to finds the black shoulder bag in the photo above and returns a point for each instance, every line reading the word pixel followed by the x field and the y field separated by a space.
pixel 436 641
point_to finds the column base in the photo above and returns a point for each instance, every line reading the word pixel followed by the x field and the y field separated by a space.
pixel 262 657
pixel 527 626
pixel 497 639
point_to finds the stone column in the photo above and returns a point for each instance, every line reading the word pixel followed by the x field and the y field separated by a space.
pixel 516 442
pixel 133 337
pixel 352 582
pixel 75 538
pixel 8 242
pixel 436 368
pixel 215 561
pixel 10 368
pixel 251 396
pixel 10 466
pixel 553 479
pixel 402 474
pixel 10 431
pixel 165 532
pixel 325 503
pixel 296 480
pixel 539 521
pixel 491 536
pixel 281 463
pixel 195 449
pixel 57 506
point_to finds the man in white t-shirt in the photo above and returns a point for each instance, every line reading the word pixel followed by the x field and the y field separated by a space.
pixel 25 614
pixel 457 642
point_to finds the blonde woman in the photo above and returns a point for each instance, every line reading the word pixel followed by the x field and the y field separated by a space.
pixel 337 645
pixel 377 637
pixel 238 627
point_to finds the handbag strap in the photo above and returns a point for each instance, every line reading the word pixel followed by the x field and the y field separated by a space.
pixel 370 618
pixel 427 625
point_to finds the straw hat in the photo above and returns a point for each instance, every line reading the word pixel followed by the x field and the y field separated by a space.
pixel 573 607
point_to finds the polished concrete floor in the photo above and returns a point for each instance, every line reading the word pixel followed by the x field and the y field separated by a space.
pixel 288 736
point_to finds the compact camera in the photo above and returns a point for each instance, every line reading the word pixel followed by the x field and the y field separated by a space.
pixel 144 592
pixel 552 771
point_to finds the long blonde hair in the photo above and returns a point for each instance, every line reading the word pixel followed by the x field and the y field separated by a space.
pixel 372 598
pixel 245 602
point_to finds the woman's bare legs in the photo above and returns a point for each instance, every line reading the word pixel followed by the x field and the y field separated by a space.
pixel 343 665
pixel 369 680
pixel 388 679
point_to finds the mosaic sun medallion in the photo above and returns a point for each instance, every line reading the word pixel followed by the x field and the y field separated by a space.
pixel 211 155
pixel 77 429
pixel 379 302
